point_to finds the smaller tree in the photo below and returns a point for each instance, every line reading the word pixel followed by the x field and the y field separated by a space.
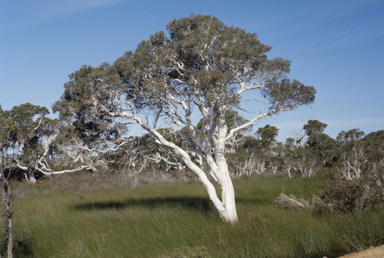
pixel 320 143
pixel 268 135
pixel 374 149
pixel 352 162
pixel 26 146
pixel 350 156
pixel 357 182
pixel 17 142
pixel 275 163
pixel 314 128
pixel 351 135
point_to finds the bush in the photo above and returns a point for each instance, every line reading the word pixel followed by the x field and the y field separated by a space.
pixel 343 195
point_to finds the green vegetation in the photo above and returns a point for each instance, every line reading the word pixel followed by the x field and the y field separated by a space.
pixel 175 219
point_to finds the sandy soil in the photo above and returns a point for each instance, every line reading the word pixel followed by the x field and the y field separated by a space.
pixel 374 252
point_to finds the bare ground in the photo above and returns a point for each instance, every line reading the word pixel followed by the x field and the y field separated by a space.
pixel 373 252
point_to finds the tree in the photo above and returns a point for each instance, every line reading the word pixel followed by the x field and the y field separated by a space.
pixel 268 132
pixel 25 135
pixel 204 66
pixel 351 135
pixel 289 143
pixel 374 146
pixel 319 142
pixel 21 131
pixel 18 140
pixel 357 182
pixel 26 148
pixel 6 136
pixel 357 156
pixel 268 135
pixel 314 128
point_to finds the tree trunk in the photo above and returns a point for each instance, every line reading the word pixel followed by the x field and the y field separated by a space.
pixel 225 210
pixel 31 174
pixel 228 199
pixel 7 199
pixel 222 173
pixel 10 236
pixel 226 206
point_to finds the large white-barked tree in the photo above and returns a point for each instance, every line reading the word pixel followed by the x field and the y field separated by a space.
pixel 202 66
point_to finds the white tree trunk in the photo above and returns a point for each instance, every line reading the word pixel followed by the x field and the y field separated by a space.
pixel 228 199
pixel 226 206
pixel 222 174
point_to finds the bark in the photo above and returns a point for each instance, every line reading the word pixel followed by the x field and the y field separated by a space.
pixel 7 199
pixel 10 237
pixel 227 190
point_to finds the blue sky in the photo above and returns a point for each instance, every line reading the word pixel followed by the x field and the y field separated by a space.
pixel 335 46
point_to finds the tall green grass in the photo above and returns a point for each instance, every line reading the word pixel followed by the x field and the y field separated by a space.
pixel 176 219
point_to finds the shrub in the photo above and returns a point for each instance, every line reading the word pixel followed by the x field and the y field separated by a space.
pixel 343 195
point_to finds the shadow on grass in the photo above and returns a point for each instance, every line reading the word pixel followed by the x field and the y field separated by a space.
pixel 192 203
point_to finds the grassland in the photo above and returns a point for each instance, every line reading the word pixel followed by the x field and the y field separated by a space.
pixel 176 219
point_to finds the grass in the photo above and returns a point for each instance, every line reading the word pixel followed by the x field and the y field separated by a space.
pixel 176 219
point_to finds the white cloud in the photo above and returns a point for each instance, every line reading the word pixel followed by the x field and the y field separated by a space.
pixel 20 14
pixel 353 123
pixel 310 15
pixel 356 38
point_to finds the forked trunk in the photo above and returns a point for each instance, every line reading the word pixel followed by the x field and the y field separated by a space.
pixel 226 207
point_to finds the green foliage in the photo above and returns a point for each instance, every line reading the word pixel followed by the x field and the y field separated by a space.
pixel 211 59
pixel 23 131
pixel 321 145
pixel 268 132
pixel 351 135
pixel 357 180
pixel 289 142
pixel 287 94
pixel 17 124
pixel 233 119
pixel 374 146
pixel 78 104
pixel 314 127
pixel 365 154
pixel 252 143
pixel 342 195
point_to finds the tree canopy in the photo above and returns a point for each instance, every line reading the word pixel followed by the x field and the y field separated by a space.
pixel 268 132
pixel 201 66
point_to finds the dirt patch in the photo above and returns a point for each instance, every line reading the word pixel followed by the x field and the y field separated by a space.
pixel 373 252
